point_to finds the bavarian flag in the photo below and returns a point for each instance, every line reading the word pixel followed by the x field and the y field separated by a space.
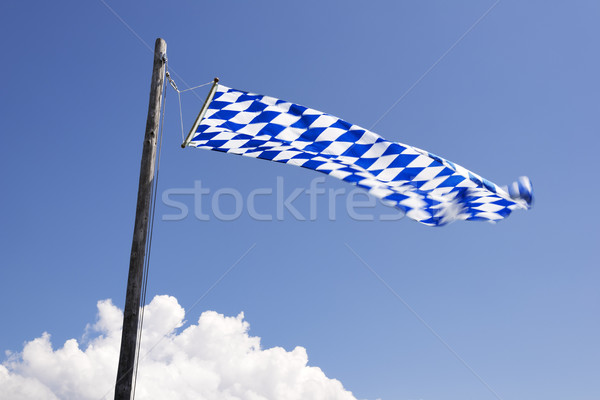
pixel 428 188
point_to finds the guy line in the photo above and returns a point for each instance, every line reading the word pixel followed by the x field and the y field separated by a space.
pixel 459 358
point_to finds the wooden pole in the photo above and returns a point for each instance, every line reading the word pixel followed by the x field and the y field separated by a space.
pixel 138 245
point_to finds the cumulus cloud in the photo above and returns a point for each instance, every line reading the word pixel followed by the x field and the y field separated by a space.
pixel 214 359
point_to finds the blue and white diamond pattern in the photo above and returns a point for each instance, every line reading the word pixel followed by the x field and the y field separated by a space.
pixel 428 188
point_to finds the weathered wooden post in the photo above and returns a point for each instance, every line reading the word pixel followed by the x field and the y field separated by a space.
pixel 138 246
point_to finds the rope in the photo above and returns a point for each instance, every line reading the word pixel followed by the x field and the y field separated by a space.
pixel 180 115
pixel 149 234
pixel 174 86
pixel 196 87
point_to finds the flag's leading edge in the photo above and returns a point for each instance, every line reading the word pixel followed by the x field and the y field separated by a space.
pixel 428 188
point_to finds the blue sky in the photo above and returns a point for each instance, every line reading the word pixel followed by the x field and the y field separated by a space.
pixel 518 95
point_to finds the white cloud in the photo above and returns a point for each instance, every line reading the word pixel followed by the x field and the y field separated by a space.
pixel 214 359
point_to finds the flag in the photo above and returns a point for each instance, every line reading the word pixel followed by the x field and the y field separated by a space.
pixel 428 188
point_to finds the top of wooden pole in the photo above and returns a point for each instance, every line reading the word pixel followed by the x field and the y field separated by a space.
pixel 160 47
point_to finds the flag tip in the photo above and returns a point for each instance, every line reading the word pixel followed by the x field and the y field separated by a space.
pixel 216 79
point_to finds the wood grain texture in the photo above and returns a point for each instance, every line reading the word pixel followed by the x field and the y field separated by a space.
pixel 138 246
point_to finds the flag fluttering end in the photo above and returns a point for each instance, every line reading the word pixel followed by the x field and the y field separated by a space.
pixel 472 204
pixel 521 191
